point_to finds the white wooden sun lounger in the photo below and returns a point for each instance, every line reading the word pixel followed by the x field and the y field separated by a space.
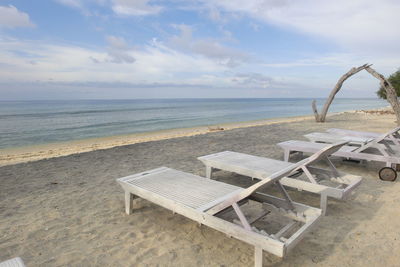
pixel 15 262
pixel 389 139
pixel 341 184
pixel 371 151
pixel 392 135
pixel 207 202
pixel 331 138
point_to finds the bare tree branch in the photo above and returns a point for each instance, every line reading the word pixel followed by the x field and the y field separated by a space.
pixel 321 117
pixel 391 95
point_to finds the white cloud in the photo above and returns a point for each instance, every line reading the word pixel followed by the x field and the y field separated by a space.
pixel 358 24
pixel 209 48
pixel 135 7
pixel 164 71
pixel 154 63
pixel 119 51
pixel 253 80
pixel 11 17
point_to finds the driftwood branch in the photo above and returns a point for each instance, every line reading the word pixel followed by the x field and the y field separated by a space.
pixel 314 107
pixel 321 117
pixel 391 95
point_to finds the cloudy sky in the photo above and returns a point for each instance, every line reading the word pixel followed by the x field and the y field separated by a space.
pixel 112 49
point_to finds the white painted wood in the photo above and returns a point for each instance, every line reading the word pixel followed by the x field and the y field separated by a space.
pixel 259 168
pixel 285 194
pixel 286 155
pixel 309 175
pixel 188 189
pixel 241 216
pixel 128 203
pixel 324 201
pixel 266 180
pixel 357 133
pixel 331 138
pixel 347 152
pixel 209 172
pixel 15 262
pixel 168 188
pixel 258 257
pixel 285 229
pixel 253 167
pixel 391 136
pixel 294 239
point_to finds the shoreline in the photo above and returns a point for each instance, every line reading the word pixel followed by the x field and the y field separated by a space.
pixel 10 156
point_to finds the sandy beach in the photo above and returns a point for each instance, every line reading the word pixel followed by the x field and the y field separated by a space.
pixel 37 152
pixel 67 210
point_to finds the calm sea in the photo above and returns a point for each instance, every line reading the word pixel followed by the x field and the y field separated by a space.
pixel 25 123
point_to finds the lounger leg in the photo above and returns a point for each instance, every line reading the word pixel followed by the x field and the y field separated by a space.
pixel 128 202
pixel 324 201
pixel 209 172
pixel 286 154
pixel 258 259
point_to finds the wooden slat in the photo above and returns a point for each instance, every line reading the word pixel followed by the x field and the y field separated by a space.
pixel 268 244
pixel 285 229
pixel 334 138
pixel 188 189
pixel 353 133
pixel 244 164
pixel 264 182
pixel 360 133
pixel 15 262
pixel 259 168
pixel 141 186
pixel 344 152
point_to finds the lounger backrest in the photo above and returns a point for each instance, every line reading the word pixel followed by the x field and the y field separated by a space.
pixel 250 190
pixel 376 140
pixel 326 151
pixel 383 136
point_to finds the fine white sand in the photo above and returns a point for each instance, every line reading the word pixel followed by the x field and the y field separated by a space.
pixel 69 211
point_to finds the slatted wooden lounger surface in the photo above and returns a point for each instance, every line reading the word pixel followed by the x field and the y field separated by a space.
pixel 204 200
pixel 260 167
pixel 359 133
pixel 371 151
pixel 243 163
pixel 15 262
pixel 311 147
pixel 334 138
pixel 183 188
pixel 391 138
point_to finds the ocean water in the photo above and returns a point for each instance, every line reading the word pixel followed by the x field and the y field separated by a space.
pixel 24 123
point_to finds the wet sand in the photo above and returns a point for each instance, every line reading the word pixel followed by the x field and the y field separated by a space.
pixel 69 211
pixel 45 151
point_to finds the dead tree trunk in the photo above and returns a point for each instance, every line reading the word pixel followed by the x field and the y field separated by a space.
pixel 321 117
pixel 391 95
